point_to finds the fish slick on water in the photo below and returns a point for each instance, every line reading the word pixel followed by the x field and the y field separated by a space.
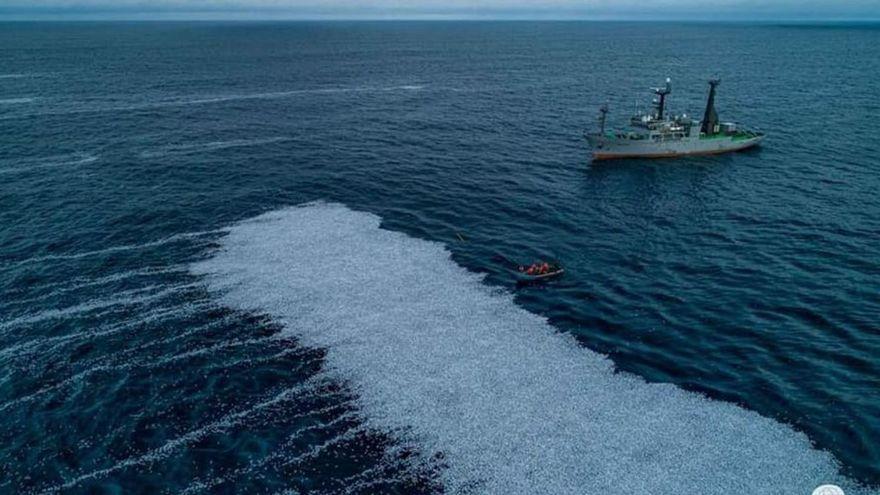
pixel 455 370
pixel 662 136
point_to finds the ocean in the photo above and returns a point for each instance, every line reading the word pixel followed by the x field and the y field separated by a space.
pixel 268 257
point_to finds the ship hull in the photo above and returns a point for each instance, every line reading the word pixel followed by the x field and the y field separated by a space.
pixel 609 149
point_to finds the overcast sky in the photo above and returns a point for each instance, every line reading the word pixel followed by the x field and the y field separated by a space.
pixel 816 10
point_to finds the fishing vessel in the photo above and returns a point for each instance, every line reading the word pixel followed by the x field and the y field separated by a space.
pixel 658 135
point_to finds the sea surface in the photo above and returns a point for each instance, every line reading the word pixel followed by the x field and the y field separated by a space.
pixel 277 258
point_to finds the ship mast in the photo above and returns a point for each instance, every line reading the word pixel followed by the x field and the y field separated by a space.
pixel 710 117
pixel 662 92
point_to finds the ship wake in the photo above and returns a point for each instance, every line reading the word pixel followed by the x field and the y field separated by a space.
pixel 499 399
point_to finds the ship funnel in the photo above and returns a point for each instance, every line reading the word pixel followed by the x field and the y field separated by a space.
pixel 710 117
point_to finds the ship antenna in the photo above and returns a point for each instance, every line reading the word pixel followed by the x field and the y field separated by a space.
pixel 603 112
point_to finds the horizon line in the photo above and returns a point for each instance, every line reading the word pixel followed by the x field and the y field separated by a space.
pixel 177 17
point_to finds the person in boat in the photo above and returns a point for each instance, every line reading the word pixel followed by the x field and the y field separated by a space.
pixel 537 268
pixel 531 270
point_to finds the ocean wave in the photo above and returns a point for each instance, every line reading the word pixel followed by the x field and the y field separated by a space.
pixel 449 366
pixel 122 299
pixel 15 101
pixel 54 290
pixel 30 164
pixel 223 424
pixel 110 250
pixel 282 94
pixel 282 455
pixel 21 75
pixel 185 149
pixel 23 349
pixel 77 108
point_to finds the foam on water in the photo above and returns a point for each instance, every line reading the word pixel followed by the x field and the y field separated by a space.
pixel 449 365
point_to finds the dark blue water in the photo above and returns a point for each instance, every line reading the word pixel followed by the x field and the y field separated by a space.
pixel 753 278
